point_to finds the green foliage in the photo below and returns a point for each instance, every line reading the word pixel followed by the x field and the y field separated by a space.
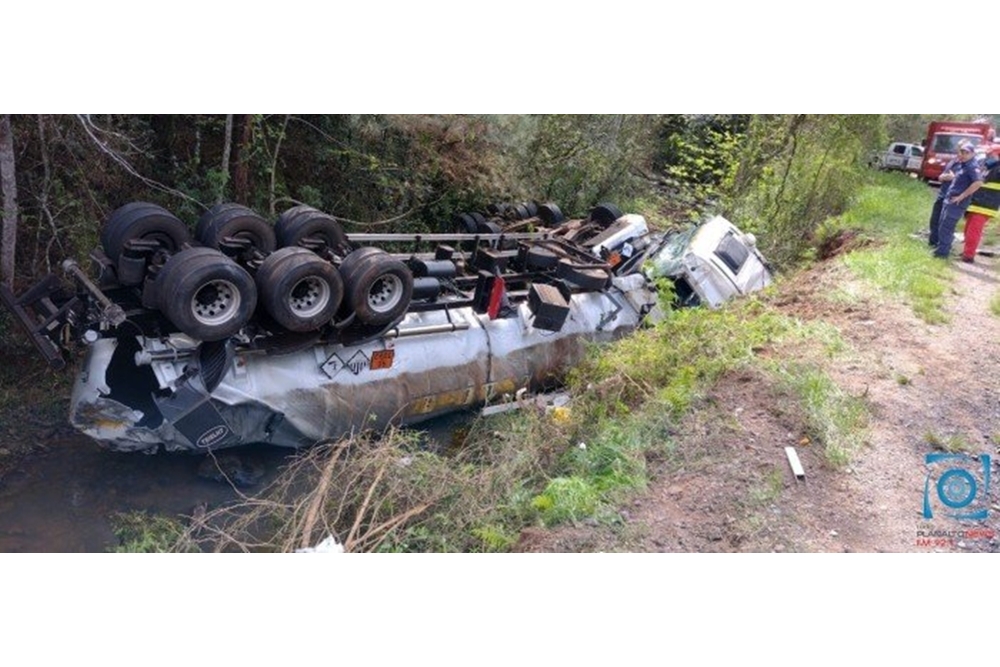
pixel 139 532
pixel 581 160
pixel 795 171
pixel 685 351
pixel 495 537
pixel 696 153
pixel 567 499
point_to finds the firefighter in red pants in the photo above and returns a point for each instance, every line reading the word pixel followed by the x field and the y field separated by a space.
pixel 985 202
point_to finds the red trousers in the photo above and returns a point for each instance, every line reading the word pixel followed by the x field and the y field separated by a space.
pixel 974 223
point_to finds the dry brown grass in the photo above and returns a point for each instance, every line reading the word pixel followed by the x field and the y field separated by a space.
pixel 386 494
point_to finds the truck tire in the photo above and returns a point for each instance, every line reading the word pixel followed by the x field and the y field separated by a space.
pixel 241 223
pixel 112 220
pixel 540 259
pixel 531 207
pixel 591 279
pixel 550 214
pixel 377 287
pixel 205 294
pixel 355 257
pixel 210 214
pixel 300 290
pixel 464 223
pixel 294 211
pixel 488 227
pixel 605 214
pixel 309 222
pixel 140 220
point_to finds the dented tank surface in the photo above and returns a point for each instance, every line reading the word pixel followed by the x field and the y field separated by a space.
pixel 454 359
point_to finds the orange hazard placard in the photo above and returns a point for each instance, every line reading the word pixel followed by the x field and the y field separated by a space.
pixel 382 359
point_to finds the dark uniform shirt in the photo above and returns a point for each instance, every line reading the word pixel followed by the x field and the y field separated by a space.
pixel 945 185
pixel 966 173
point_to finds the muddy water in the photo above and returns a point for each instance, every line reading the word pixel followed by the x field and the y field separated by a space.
pixel 61 499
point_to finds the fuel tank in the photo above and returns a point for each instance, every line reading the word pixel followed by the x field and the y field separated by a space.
pixel 139 394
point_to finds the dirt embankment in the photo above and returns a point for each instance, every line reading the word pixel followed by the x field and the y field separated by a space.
pixel 927 387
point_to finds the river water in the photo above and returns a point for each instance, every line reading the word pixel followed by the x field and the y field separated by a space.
pixel 61 499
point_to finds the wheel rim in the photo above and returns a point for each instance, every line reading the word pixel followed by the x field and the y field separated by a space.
pixel 309 297
pixel 217 302
pixel 385 294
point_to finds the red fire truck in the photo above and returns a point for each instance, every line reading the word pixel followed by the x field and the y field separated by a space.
pixel 943 138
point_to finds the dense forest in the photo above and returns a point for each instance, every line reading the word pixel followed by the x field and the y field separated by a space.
pixel 776 175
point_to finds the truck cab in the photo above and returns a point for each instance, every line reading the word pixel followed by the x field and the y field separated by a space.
pixel 709 264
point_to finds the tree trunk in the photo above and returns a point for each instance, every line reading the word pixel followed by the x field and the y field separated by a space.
pixel 241 181
pixel 8 186
pixel 227 148
pixel 274 163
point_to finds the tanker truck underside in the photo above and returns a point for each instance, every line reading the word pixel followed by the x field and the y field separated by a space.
pixel 296 332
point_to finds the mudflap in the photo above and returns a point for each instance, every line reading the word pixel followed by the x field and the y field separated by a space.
pixel 190 410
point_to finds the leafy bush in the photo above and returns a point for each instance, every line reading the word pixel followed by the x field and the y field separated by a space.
pixel 795 171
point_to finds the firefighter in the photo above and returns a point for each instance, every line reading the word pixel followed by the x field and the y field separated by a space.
pixel 967 181
pixel 985 202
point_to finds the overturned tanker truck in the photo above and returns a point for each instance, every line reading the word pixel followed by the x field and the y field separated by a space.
pixel 294 332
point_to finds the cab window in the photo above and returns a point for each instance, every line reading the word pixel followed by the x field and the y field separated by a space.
pixel 732 253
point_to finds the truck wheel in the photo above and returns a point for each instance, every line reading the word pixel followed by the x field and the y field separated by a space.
pixel 488 227
pixel 211 213
pixel 309 222
pixel 519 212
pixel 240 223
pixel 205 294
pixel 355 258
pixel 301 291
pixel 582 277
pixel 531 207
pixel 378 288
pixel 550 214
pixel 140 220
pixel 605 214
pixel 113 219
pixel 541 259
pixel 294 211
pixel 464 223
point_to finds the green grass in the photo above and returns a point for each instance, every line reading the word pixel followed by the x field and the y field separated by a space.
pixel 995 304
pixel 887 212
pixel 769 489
pixel 139 532
pixel 952 444
pixel 834 418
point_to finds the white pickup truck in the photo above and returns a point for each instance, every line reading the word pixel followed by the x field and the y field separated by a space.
pixel 899 156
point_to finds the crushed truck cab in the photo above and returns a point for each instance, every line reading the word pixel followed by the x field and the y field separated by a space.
pixel 304 333
pixel 710 264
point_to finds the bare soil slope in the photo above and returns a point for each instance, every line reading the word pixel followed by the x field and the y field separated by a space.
pixel 927 387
